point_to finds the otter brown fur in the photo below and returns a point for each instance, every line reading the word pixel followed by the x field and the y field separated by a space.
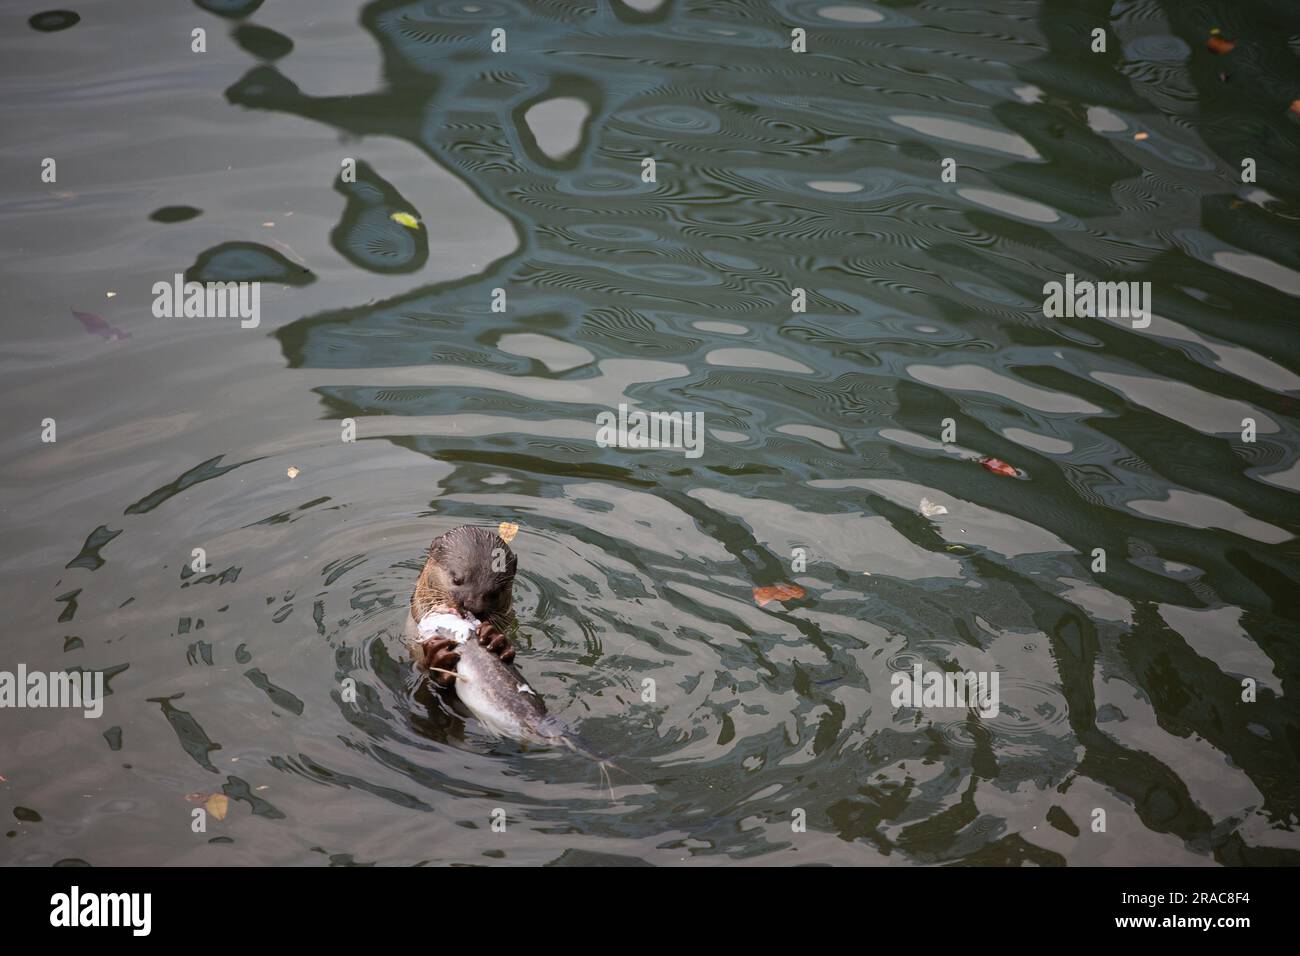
pixel 470 571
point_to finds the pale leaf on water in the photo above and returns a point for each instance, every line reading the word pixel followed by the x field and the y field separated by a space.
pixel 217 805
pixel 931 510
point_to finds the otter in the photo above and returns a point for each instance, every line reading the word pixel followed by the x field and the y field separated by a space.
pixel 469 570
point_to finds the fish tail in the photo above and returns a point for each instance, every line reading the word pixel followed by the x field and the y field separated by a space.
pixel 603 764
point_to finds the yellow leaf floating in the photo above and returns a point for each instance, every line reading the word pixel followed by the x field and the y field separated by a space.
pixel 292 472
pixel 217 805
pixel 405 219
pixel 507 531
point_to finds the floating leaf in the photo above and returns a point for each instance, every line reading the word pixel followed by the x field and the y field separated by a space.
pixel 1000 467
pixel 1140 136
pixel 292 472
pixel 507 531
pixel 405 219
pixel 97 325
pixel 217 805
pixel 931 510
pixel 1218 45
pixel 778 592
pixel 1295 107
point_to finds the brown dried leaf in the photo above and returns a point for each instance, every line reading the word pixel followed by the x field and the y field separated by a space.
pixel 507 531
pixel 1000 467
pixel 778 592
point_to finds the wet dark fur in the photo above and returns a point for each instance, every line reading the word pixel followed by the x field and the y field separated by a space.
pixel 466 554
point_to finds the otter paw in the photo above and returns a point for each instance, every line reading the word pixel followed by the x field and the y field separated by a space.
pixel 496 642
pixel 440 659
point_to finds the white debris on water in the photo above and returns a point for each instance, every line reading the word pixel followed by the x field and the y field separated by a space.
pixel 932 510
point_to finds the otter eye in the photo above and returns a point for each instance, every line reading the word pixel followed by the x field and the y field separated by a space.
pixel 457 580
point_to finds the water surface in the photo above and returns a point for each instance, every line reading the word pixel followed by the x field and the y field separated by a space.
pixel 1121 691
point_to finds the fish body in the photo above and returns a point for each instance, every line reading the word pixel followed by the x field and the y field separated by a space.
pixel 496 693
pixel 489 688
pixel 438 624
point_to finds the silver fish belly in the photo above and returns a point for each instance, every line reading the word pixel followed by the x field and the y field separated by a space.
pixel 497 694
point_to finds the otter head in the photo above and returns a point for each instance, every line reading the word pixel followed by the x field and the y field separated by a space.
pixel 472 570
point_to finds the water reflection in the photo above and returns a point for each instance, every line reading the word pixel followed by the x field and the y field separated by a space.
pixel 1121 688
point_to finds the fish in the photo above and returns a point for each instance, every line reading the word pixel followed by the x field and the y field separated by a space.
pixel 499 697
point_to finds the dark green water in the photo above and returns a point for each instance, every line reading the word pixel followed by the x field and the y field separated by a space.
pixel 1121 691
